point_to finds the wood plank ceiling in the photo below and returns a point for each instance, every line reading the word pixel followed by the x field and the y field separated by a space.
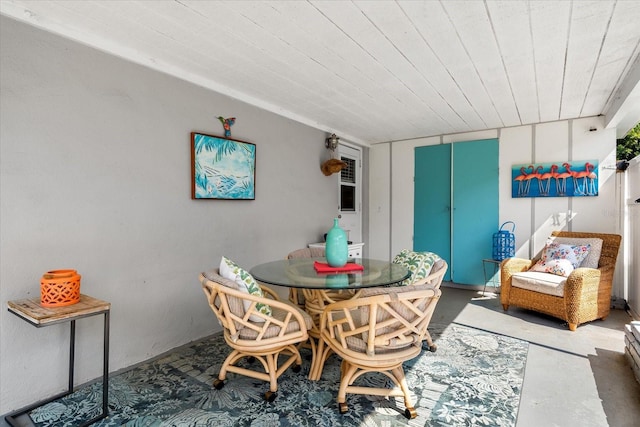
pixel 375 71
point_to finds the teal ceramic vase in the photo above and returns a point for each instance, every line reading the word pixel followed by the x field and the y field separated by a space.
pixel 337 281
pixel 337 248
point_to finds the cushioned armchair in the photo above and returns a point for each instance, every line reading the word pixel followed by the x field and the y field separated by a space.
pixel 253 332
pixel 575 295
pixel 377 334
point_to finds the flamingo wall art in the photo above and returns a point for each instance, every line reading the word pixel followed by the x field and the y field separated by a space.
pixel 556 179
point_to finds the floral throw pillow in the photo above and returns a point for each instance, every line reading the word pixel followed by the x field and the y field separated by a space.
pixel 246 283
pixel 418 263
pixel 561 259
pixel 575 254
pixel 559 267
pixel 595 250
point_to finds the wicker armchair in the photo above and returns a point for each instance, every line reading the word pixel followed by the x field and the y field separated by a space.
pixel 587 291
pixel 252 334
pixel 378 334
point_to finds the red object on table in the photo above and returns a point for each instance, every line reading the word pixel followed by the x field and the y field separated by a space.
pixel 323 267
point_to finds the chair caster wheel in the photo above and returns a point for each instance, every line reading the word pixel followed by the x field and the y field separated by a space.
pixel 433 348
pixel 296 368
pixel 410 413
pixel 270 396
pixel 218 384
pixel 343 408
pixel 251 359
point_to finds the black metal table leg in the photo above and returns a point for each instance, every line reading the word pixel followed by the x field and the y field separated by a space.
pixel 105 367
pixel 72 354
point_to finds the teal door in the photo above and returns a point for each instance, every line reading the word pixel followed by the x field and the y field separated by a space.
pixel 456 205
pixel 432 201
pixel 475 208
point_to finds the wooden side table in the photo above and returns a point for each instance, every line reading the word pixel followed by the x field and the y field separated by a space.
pixel 31 311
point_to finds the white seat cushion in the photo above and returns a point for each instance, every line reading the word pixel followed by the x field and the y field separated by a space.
pixel 545 283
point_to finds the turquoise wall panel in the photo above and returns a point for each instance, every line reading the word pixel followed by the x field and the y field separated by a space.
pixel 432 201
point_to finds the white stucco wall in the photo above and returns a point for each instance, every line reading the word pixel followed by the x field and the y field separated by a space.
pixel 95 175
pixel 379 213
pixel 534 217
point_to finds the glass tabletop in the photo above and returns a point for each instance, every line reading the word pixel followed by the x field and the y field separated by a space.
pixel 300 273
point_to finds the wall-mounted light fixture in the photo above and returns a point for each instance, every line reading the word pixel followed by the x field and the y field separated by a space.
pixel 622 165
pixel 332 142
pixel 332 165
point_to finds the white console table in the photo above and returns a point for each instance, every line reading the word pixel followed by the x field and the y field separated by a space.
pixel 355 249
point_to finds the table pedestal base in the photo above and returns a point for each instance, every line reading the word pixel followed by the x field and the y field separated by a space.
pixel 320 353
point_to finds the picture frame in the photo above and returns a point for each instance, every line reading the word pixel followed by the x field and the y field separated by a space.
pixel 555 179
pixel 222 168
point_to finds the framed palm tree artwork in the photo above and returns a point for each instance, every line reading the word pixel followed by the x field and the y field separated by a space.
pixel 222 168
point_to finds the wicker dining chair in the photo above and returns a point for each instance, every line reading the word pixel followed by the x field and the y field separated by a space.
pixel 586 295
pixel 313 302
pixel 255 335
pixel 434 279
pixel 378 334
pixel 295 295
pixel 318 301
pixel 425 268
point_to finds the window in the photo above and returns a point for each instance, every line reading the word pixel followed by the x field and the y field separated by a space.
pixel 348 185
pixel 350 192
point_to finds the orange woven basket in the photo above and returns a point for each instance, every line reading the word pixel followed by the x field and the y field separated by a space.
pixel 59 288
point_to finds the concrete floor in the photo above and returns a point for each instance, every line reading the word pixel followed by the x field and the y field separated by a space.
pixel 579 378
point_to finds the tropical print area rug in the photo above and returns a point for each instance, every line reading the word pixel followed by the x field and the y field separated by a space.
pixel 474 378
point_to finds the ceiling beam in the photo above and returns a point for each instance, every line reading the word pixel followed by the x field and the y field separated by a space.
pixel 624 111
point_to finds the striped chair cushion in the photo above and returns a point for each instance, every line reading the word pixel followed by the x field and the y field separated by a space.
pixel 236 305
pixel 273 330
pixel 382 315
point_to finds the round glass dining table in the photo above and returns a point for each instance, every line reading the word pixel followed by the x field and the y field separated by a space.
pixel 320 289
pixel 300 273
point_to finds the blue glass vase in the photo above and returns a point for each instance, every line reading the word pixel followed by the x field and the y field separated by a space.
pixel 337 248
